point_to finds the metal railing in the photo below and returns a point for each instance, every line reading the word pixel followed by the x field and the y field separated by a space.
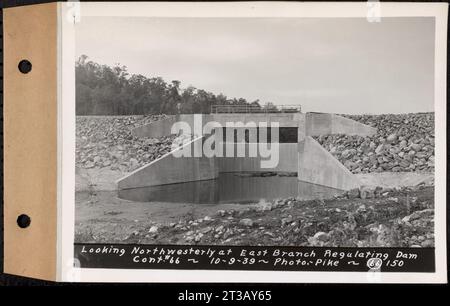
pixel 255 109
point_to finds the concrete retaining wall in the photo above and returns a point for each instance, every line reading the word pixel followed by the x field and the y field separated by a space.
pixel 170 169
pixel 342 125
pixel 163 127
pixel 313 163
pixel 312 124
pixel 316 165
pixel 288 161
pixel 326 124
pixel 155 129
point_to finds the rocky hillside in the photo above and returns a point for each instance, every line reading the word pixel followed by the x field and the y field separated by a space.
pixel 106 141
pixel 403 142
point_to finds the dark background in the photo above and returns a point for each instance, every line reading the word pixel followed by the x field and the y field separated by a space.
pixel 293 293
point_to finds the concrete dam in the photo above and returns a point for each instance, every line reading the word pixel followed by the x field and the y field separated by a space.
pixel 298 153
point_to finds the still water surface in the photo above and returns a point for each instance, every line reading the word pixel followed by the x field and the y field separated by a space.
pixel 229 188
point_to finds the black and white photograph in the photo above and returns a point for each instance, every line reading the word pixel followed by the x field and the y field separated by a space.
pixel 226 146
pixel 254 132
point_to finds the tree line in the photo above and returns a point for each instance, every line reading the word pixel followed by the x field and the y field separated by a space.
pixel 105 90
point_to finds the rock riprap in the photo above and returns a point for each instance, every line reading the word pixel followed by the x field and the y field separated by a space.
pixel 403 143
pixel 106 141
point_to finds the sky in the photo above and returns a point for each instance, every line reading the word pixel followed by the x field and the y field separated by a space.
pixel 336 65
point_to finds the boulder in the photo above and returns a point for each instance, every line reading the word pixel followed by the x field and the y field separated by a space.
pixel 379 149
pixel 366 192
pixel 246 222
pixel 392 138
pixel 353 193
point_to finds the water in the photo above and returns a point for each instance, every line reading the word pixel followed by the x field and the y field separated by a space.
pixel 229 188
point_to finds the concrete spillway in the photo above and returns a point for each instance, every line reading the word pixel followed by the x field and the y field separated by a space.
pixel 305 156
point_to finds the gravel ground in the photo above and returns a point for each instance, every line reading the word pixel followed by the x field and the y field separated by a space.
pixel 399 217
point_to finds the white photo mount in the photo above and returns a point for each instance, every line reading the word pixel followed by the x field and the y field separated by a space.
pixel 39 125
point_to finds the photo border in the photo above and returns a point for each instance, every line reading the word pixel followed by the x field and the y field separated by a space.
pixel 69 14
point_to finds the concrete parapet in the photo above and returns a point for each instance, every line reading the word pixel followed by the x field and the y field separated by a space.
pixel 284 119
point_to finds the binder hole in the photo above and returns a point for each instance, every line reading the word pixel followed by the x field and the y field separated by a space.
pixel 23 221
pixel 25 66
